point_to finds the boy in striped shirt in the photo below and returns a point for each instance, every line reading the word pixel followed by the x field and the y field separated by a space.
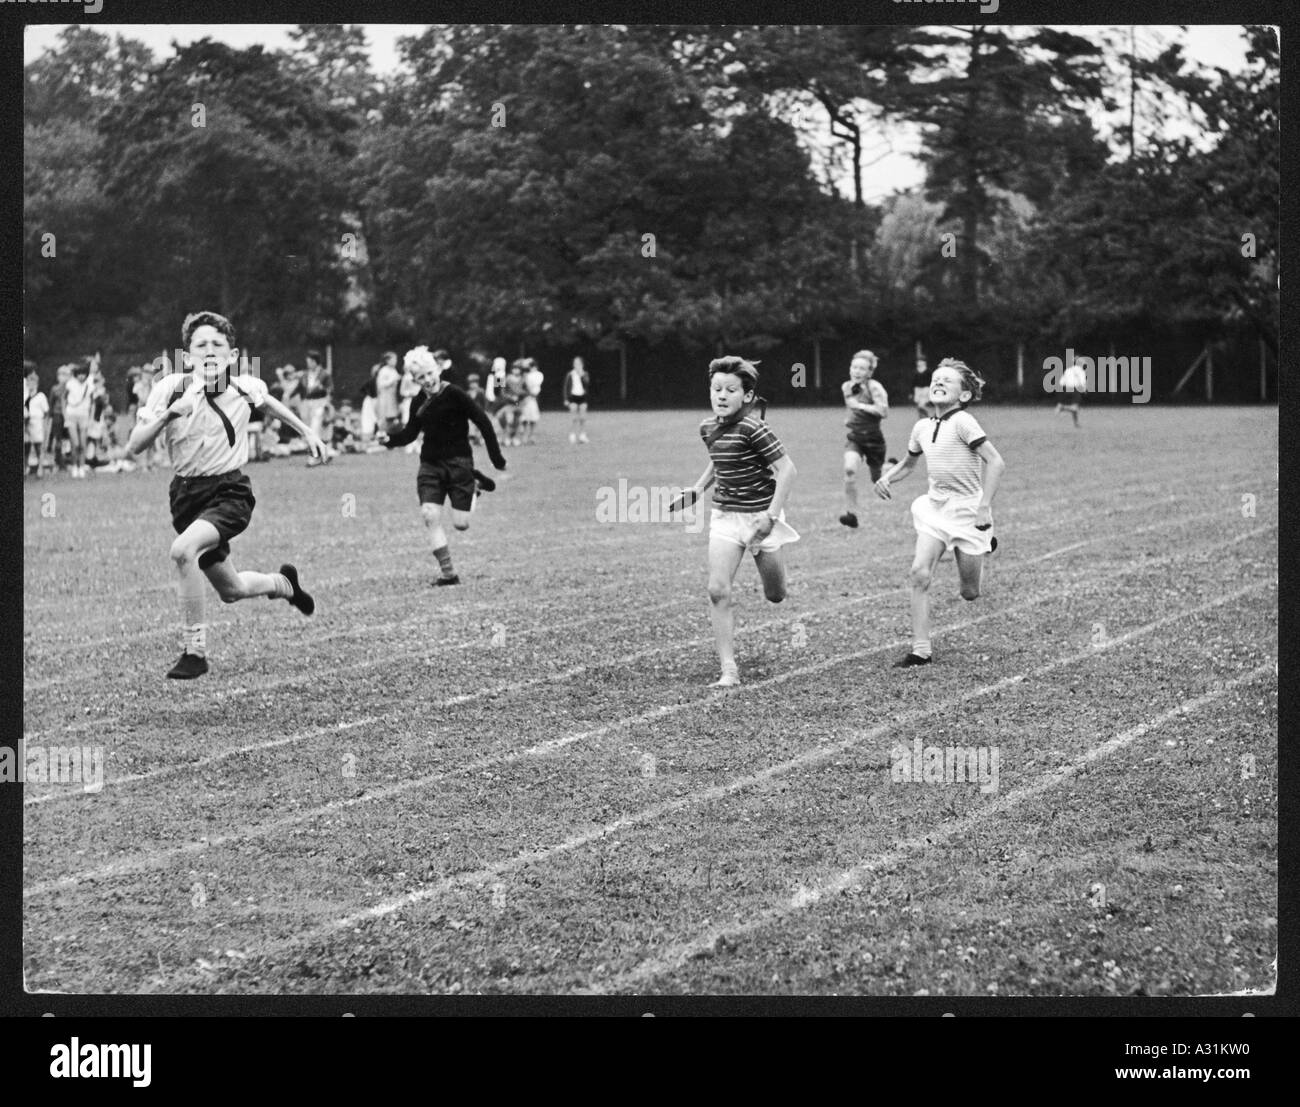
pixel 957 512
pixel 203 415
pixel 753 474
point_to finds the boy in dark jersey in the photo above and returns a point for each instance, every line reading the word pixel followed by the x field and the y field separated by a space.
pixel 753 473
pixel 867 404
pixel 443 413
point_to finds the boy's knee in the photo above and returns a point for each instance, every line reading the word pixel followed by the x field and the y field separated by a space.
pixel 919 576
pixel 775 594
pixel 970 591
pixel 229 592
pixel 431 512
pixel 182 553
pixel 719 591
pixel 461 526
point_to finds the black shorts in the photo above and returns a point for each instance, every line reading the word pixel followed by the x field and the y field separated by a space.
pixel 871 450
pixel 439 479
pixel 225 500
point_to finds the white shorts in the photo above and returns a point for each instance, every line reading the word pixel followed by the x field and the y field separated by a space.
pixel 739 526
pixel 952 522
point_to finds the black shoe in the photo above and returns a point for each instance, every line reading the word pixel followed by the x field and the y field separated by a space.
pixel 849 519
pixel 891 461
pixel 300 599
pixel 993 544
pixel 910 660
pixel 189 666
pixel 485 483
pixel 443 581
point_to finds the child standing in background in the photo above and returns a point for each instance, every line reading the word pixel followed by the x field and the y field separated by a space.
pixel 577 386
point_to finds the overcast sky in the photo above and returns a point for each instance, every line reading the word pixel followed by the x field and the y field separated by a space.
pixel 1223 46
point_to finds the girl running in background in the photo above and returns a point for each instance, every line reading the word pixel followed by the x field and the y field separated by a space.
pixel 753 474
pixel 957 512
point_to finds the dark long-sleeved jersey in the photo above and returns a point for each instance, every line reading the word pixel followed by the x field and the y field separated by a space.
pixel 445 420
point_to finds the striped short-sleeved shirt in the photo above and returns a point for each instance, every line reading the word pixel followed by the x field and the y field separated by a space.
pixel 742 459
pixel 200 442
pixel 949 444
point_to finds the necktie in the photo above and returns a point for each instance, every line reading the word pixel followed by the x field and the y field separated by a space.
pixel 225 421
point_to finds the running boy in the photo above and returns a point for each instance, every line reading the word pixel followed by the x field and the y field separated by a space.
pixel 957 512
pixel 754 474
pixel 203 414
pixel 1075 382
pixel 443 412
pixel 867 404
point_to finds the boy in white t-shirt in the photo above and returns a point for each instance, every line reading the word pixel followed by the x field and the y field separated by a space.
pixel 1075 382
pixel 204 414
pixel 957 512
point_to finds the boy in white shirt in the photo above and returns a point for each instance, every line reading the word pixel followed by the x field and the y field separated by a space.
pixel 957 512
pixel 203 414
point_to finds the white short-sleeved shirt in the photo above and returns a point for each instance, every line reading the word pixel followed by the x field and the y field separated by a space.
pixel 198 442
pixel 80 391
pixel 1074 379
pixel 38 407
pixel 949 444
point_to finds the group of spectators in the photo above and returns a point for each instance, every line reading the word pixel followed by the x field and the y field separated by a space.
pixel 75 428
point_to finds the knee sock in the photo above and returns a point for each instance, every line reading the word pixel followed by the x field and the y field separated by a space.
pixel 190 590
pixel 273 586
pixel 443 554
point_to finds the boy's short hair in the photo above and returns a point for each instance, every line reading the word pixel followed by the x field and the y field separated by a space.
pixel 441 355
pixel 746 370
pixel 206 319
pixel 971 381
pixel 315 355
pixel 865 355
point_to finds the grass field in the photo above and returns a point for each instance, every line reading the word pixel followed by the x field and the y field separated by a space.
pixel 524 785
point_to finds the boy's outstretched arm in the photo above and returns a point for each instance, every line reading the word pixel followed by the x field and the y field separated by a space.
pixel 406 435
pixel 688 496
pixel 150 421
pixel 994 467
pixel 276 408
pixel 784 471
pixel 898 472
pixel 479 417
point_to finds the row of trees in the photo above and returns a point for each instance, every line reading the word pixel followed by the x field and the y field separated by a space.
pixel 614 185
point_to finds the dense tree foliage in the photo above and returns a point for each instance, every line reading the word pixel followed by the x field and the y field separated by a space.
pixel 611 185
